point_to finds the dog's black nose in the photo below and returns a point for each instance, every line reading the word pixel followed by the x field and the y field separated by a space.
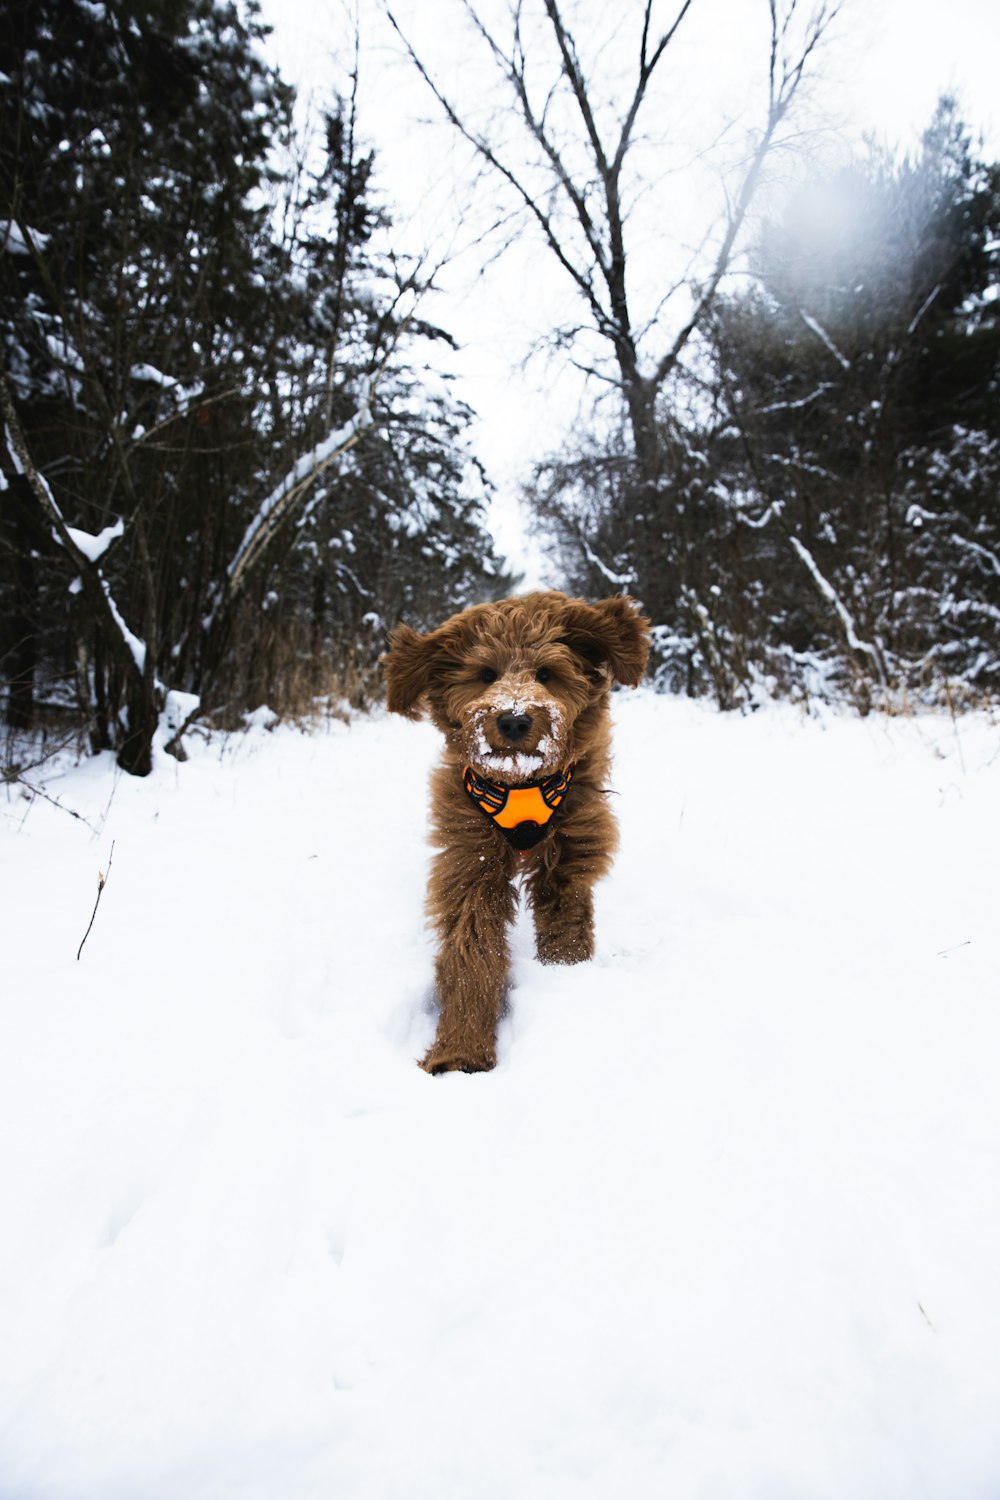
pixel 513 727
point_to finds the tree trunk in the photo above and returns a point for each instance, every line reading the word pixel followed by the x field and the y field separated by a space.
pixel 19 640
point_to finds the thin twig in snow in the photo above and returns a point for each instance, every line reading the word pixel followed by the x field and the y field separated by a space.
pixel 102 881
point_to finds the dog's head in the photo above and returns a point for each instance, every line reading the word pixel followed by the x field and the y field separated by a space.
pixel 517 687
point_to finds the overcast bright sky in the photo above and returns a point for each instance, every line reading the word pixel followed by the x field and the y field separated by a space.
pixel 882 69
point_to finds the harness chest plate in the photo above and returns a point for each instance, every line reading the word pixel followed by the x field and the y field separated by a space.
pixel 520 813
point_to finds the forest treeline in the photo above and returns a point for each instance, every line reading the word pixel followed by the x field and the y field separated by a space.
pixel 229 465
pixel 824 519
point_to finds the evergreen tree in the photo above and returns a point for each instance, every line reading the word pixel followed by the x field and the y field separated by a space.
pixel 211 391
pixel 860 381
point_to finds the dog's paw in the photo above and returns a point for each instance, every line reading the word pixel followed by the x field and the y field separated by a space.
pixel 575 949
pixel 456 1060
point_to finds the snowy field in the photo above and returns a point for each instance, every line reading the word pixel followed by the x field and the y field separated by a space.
pixel 724 1223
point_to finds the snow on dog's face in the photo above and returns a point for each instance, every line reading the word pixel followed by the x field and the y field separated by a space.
pixel 516 686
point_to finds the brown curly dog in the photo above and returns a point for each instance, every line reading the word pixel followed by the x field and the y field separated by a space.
pixel 520 691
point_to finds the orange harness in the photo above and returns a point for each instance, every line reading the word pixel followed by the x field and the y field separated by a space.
pixel 520 813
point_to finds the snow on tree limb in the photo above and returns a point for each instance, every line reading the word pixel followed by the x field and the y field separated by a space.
pixel 184 395
pixel 912 326
pixel 293 486
pixel 270 516
pixel 846 619
pixel 621 580
pixel 821 390
pixel 774 509
pixel 134 645
pixel 980 551
pixel 956 608
pixel 824 337
pixel 94 547
pixel 14 240
pixel 83 549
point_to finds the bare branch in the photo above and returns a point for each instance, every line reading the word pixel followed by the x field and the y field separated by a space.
pixel 580 210
pixel 20 779
pixel 514 68
pixel 574 75
pixel 483 148
pixel 646 67
pixel 781 97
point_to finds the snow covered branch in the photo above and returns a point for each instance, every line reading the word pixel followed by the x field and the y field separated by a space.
pixel 914 321
pixel 821 390
pixel 83 549
pixel 182 394
pixel 774 509
pixel 286 495
pixel 824 338
pixel 620 580
pixel 984 552
pixel 828 591
pixel 93 548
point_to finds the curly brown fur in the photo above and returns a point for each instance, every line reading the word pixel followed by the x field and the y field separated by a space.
pixel 519 689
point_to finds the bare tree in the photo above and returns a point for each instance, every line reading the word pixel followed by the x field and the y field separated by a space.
pixel 567 166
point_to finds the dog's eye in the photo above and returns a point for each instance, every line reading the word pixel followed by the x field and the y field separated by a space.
pixel 543 674
pixel 488 675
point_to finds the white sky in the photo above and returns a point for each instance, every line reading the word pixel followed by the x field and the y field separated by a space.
pixel 882 69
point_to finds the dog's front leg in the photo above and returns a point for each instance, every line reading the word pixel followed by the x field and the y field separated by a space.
pixel 563 905
pixel 471 904
pixel 560 888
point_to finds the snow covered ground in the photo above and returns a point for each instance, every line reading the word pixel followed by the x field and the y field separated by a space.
pixel 724 1223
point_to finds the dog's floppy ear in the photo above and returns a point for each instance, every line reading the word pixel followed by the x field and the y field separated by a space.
pixel 611 633
pixel 408 666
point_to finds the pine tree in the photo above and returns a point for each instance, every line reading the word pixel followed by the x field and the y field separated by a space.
pixel 860 383
pixel 217 422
